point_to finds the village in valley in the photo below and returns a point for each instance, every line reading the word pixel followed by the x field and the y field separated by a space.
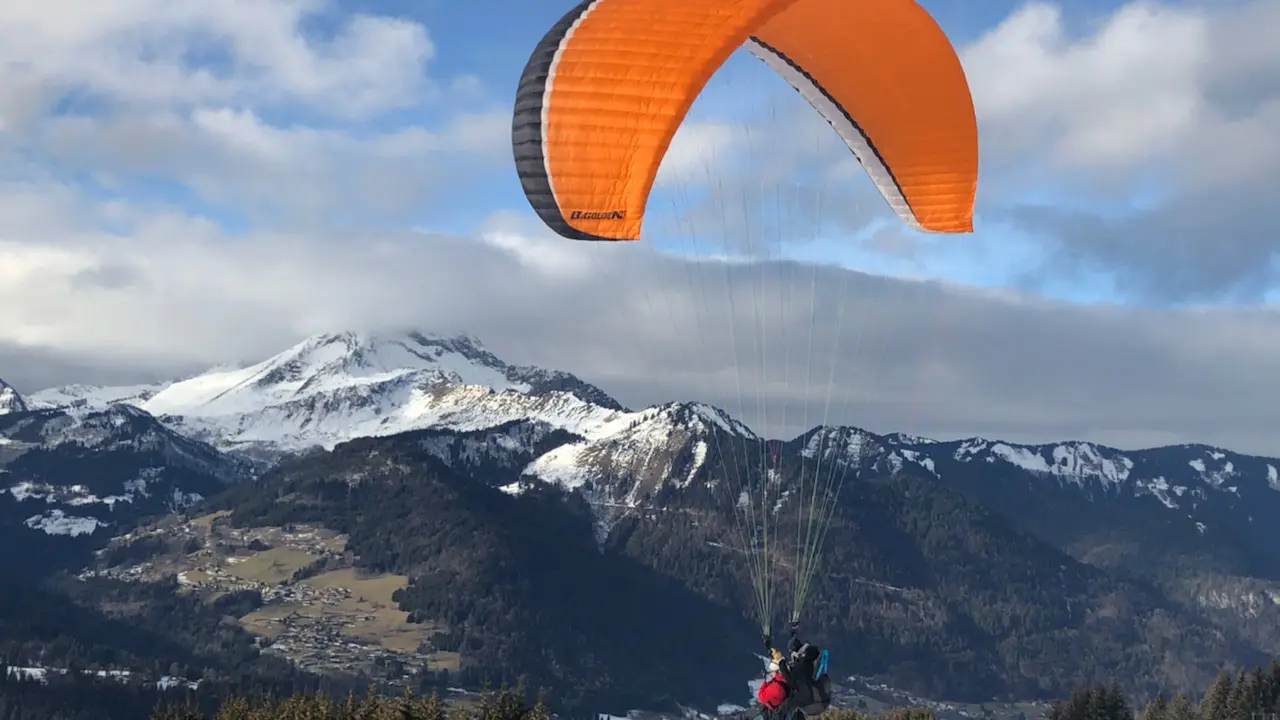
pixel 318 610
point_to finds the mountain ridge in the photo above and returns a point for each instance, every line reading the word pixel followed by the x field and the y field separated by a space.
pixel 335 387
pixel 160 399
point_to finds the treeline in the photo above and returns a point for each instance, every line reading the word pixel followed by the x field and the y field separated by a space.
pixel 505 704
pixel 80 694
pixel 1243 695
pixel 1246 694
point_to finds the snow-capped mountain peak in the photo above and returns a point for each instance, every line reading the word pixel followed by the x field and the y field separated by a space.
pixel 10 400
pixel 333 387
pixel 331 363
pixel 622 461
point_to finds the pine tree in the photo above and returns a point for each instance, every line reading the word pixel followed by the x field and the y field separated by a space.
pixel 1239 701
pixel 1115 706
pixel 1182 708
pixel 1216 702
pixel 187 711
pixel 1157 709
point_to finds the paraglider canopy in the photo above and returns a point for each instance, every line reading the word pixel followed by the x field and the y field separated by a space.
pixel 608 86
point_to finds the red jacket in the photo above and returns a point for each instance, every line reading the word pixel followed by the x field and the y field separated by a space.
pixel 772 692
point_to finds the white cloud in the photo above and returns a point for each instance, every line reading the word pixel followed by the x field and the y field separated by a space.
pixel 1145 86
pixel 1128 93
pixel 233 158
pixel 201 52
pixel 244 105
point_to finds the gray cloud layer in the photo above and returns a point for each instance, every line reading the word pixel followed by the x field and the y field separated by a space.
pixel 919 357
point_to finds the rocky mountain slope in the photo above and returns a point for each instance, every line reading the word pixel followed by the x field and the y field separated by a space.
pixel 1193 519
pixel 336 387
pixel 1206 497
pixel 86 475
pixel 1152 512
pixel 517 584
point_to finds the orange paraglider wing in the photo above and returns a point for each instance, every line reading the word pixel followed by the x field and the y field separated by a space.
pixel 607 87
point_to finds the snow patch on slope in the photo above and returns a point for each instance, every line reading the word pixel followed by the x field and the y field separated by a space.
pixel 81 496
pixel 905 439
pixel 1245 601
pixel 641 449
pixel 55 522
pixel 1216 477
pixel 841 444
pixel 1070 462
pixel 1160 488
pixel 898 457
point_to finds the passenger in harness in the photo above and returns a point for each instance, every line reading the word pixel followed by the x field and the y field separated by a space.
pixel 796 685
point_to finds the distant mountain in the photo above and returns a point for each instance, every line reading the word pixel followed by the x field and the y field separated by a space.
pixel 10 400
pixel 1192 518
pixel 335 387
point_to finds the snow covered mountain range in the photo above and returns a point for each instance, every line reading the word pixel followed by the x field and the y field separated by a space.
pixel 333 388
pixel 79 464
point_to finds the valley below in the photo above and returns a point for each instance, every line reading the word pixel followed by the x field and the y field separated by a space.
pixel 317 610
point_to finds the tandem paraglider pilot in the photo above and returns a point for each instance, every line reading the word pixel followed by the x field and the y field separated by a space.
pixel 796 685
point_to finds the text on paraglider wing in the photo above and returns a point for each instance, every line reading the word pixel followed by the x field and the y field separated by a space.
pixel 606 215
